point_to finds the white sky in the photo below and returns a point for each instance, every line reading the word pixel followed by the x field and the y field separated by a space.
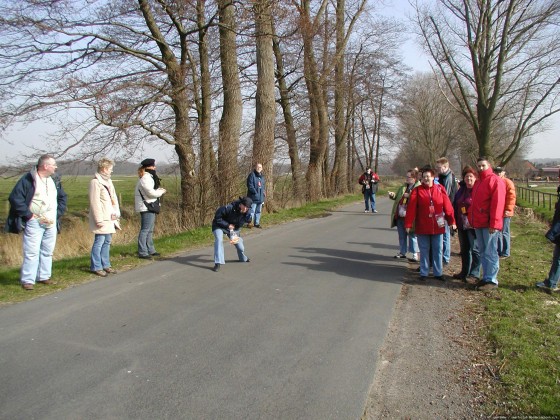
pixel 17 140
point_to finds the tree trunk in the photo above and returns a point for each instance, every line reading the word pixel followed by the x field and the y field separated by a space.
pixel 208 170
pixel 338 174
pixel 318 110
pixel 291 138
pixel 181 105
pixel 265 117
pixel 230 123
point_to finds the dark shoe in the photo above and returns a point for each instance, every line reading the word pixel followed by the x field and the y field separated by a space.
pixel 216 268
pixel 399 255
pixel 155 254
pixel 418 270
pixel 145 257
pixel 110 270
pixel 374 211
pixel 248 260
pixel 27 286
pixel 100 273
pixel 487 286
pixel 422 278
pixel 258 226
pixel 46 282
pixel 440 278
pixel 459 276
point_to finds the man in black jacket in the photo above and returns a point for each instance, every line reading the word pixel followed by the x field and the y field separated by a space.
pixel 228 220
pixel 36 204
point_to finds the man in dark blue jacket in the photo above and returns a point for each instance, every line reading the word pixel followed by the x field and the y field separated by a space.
pixel 228 220
pixel 256 191
pixel 36 204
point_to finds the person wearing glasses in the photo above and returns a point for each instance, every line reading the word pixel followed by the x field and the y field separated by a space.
pixel 36 204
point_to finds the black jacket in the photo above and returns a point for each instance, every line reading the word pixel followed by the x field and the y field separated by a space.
pixel 20 200
pixel 230 215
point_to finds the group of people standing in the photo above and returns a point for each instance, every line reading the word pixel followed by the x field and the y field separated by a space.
pixel 38 201
pixel 432 205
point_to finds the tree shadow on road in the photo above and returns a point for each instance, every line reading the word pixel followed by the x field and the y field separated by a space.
pixel 360 265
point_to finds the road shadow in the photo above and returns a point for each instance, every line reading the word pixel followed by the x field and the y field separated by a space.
pixel 377 245
pixel 361 265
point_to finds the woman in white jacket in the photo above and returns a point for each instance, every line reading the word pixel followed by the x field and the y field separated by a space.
pixel 104 214
pixel 147 190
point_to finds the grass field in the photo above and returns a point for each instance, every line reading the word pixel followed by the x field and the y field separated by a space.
pixel 77 189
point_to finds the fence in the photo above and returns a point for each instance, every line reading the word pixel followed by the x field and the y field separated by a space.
pixel 537 198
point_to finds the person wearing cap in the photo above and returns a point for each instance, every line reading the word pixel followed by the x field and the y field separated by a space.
pixel 470 257
pixel 504 242
pixel 147 190
pixel 228 220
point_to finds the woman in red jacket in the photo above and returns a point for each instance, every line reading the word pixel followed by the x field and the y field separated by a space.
pixel 428 208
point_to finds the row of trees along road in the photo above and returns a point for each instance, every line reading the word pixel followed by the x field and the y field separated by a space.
pixel 319 83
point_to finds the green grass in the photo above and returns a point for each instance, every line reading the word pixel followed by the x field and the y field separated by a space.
pixel 73 271
pixel 524 326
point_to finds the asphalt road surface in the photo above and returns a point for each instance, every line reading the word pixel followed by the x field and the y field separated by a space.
pixel 294 334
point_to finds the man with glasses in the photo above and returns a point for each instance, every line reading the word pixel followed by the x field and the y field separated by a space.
pixel 36 204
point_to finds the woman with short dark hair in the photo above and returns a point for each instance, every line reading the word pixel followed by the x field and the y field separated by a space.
pixel 148 190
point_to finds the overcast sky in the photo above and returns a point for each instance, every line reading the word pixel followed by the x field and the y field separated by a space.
pixel 18 140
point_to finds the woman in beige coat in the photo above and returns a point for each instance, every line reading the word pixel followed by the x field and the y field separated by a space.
pixel 104 214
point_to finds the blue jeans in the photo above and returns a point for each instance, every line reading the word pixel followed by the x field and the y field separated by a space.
pixel 504 244
pixel 256 213
pixel 38 248
pixel 146 235
pixel 554 273
pixel 446 244
pixel 488 248
pixel 100 252
pixel 435 242
pixel 470 258
pixel 403 237
pixel 369 196
pixel 219 247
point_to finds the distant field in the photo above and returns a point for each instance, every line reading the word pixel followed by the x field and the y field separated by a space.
pixel 77 189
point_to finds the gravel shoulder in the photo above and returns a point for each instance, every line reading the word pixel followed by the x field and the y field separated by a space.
pixel 432 364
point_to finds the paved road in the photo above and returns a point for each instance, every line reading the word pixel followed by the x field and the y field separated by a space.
pixel 294 334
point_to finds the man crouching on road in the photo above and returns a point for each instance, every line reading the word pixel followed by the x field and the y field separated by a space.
pixel 229 219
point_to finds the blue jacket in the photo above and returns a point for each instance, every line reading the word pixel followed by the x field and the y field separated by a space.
pixel 256 187
pixel 230 215
pixel 20 200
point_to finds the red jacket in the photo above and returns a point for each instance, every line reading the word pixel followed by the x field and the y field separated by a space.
pixel 418 209
pixel 488 201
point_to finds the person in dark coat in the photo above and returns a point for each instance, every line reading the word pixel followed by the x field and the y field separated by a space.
pixel 256 191
pixel 550 284
pixel 36 204
pixel 228 220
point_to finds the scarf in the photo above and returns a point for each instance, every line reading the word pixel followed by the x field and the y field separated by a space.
pixel 157 180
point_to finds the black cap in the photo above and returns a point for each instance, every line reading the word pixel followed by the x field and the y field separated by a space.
pixel 498 169
pixel 246 201
pixel 148 162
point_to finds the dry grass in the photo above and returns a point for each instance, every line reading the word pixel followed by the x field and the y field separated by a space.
pixel 76 239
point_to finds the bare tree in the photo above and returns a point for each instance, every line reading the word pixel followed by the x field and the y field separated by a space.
pixel 500 59
pixel 230 122
pixel 265 118
pixel 429 126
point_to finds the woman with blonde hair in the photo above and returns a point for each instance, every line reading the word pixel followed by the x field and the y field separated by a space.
pixel 104 214
pixel 147 193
